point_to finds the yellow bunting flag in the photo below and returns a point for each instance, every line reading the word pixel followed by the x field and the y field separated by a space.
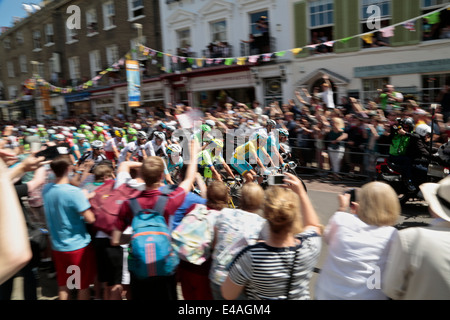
pixel 368 38
pixel 241 61
pixel 296 50
pixel 199 62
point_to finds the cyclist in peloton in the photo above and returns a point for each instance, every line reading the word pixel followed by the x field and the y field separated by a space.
pixel 249 150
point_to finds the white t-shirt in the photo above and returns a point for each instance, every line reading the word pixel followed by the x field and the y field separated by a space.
pixel 327 97
pixel 356 259
pixel 114 143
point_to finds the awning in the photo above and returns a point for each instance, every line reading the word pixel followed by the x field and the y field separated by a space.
pixel 81 96
pixel 102 96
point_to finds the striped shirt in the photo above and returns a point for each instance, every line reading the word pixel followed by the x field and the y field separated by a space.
pixel 265 270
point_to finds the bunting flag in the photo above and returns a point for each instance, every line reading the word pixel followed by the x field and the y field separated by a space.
pixel 368 38
pixel 434 18
pixel 296 50
pixel 387 32
pixel 410 25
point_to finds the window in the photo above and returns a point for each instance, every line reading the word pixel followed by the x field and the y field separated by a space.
pixel 13 92
pixel 321 23
pixel 95 62
pixel 19 37
pixel 37 39
pixel 135 9
pixel 259 33
pixel 49 36
pixel 219 31
pixel 377 40
pixel 74 68
pixel 7 43
pixel 184 40
pixel 71 35
pixel 10 69
pixel 91 22
pixel 112 54
pixel 432 85
pixel 109 14
pixel 23 63
pixel 370 88
pixel 437 25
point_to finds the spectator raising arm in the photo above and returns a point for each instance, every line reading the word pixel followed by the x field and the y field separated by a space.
pixel 191 172
pixel 15 251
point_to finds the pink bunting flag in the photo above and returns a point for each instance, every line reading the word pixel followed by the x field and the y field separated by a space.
pixel 387 32
pixel 174 59
pixel 253 59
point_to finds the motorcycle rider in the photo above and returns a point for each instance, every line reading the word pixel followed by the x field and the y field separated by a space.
pixel 399 142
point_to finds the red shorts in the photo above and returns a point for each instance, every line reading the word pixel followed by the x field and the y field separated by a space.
pixel 75 269
pixel 110 155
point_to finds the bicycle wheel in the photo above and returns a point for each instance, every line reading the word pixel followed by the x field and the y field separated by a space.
pixel 235 188
pixel 291 171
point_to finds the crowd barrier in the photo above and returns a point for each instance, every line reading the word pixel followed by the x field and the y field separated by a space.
pixel 346 161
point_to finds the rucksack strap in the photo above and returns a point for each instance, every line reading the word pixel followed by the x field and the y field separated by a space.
pixel 160 203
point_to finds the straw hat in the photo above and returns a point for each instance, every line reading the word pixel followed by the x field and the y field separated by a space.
pixel 438 197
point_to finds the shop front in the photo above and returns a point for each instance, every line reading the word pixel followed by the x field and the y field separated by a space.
pixel 217 89
pixel 79 104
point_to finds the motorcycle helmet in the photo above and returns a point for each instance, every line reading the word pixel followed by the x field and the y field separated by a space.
pixel 409 122
pixel 423 129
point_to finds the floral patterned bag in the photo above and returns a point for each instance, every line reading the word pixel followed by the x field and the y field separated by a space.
pixel 193 237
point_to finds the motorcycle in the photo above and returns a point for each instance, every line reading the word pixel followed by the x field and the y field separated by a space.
pixel 389 172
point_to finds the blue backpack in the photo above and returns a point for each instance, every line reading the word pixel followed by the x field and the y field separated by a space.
pixel 150 250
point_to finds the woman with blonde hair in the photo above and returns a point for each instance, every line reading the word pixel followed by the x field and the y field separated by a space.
pixel 359 243
pixel 234 229
pixel 279 268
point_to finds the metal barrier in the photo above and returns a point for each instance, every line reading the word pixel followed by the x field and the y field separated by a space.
pixel 317 161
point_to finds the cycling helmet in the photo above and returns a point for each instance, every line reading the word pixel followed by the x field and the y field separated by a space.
pixel 97 144
pixel 159 135
pixel 216 143
pixel 51 131
pixel 423 129
pixel 173 148
pixel 141 135
pixel 118 133
pixel 98 129
pixel 132 131
pixel 260 134
pixel 283 132
pixel 73 128
pixel 271 122
pixel 83 126
pixel 171 128
pixel 60 137
pixel 137 126
pixel 205 128
pixel 210 123
pixel 81 136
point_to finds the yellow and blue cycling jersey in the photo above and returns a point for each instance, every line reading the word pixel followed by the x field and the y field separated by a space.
pixel 243 152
